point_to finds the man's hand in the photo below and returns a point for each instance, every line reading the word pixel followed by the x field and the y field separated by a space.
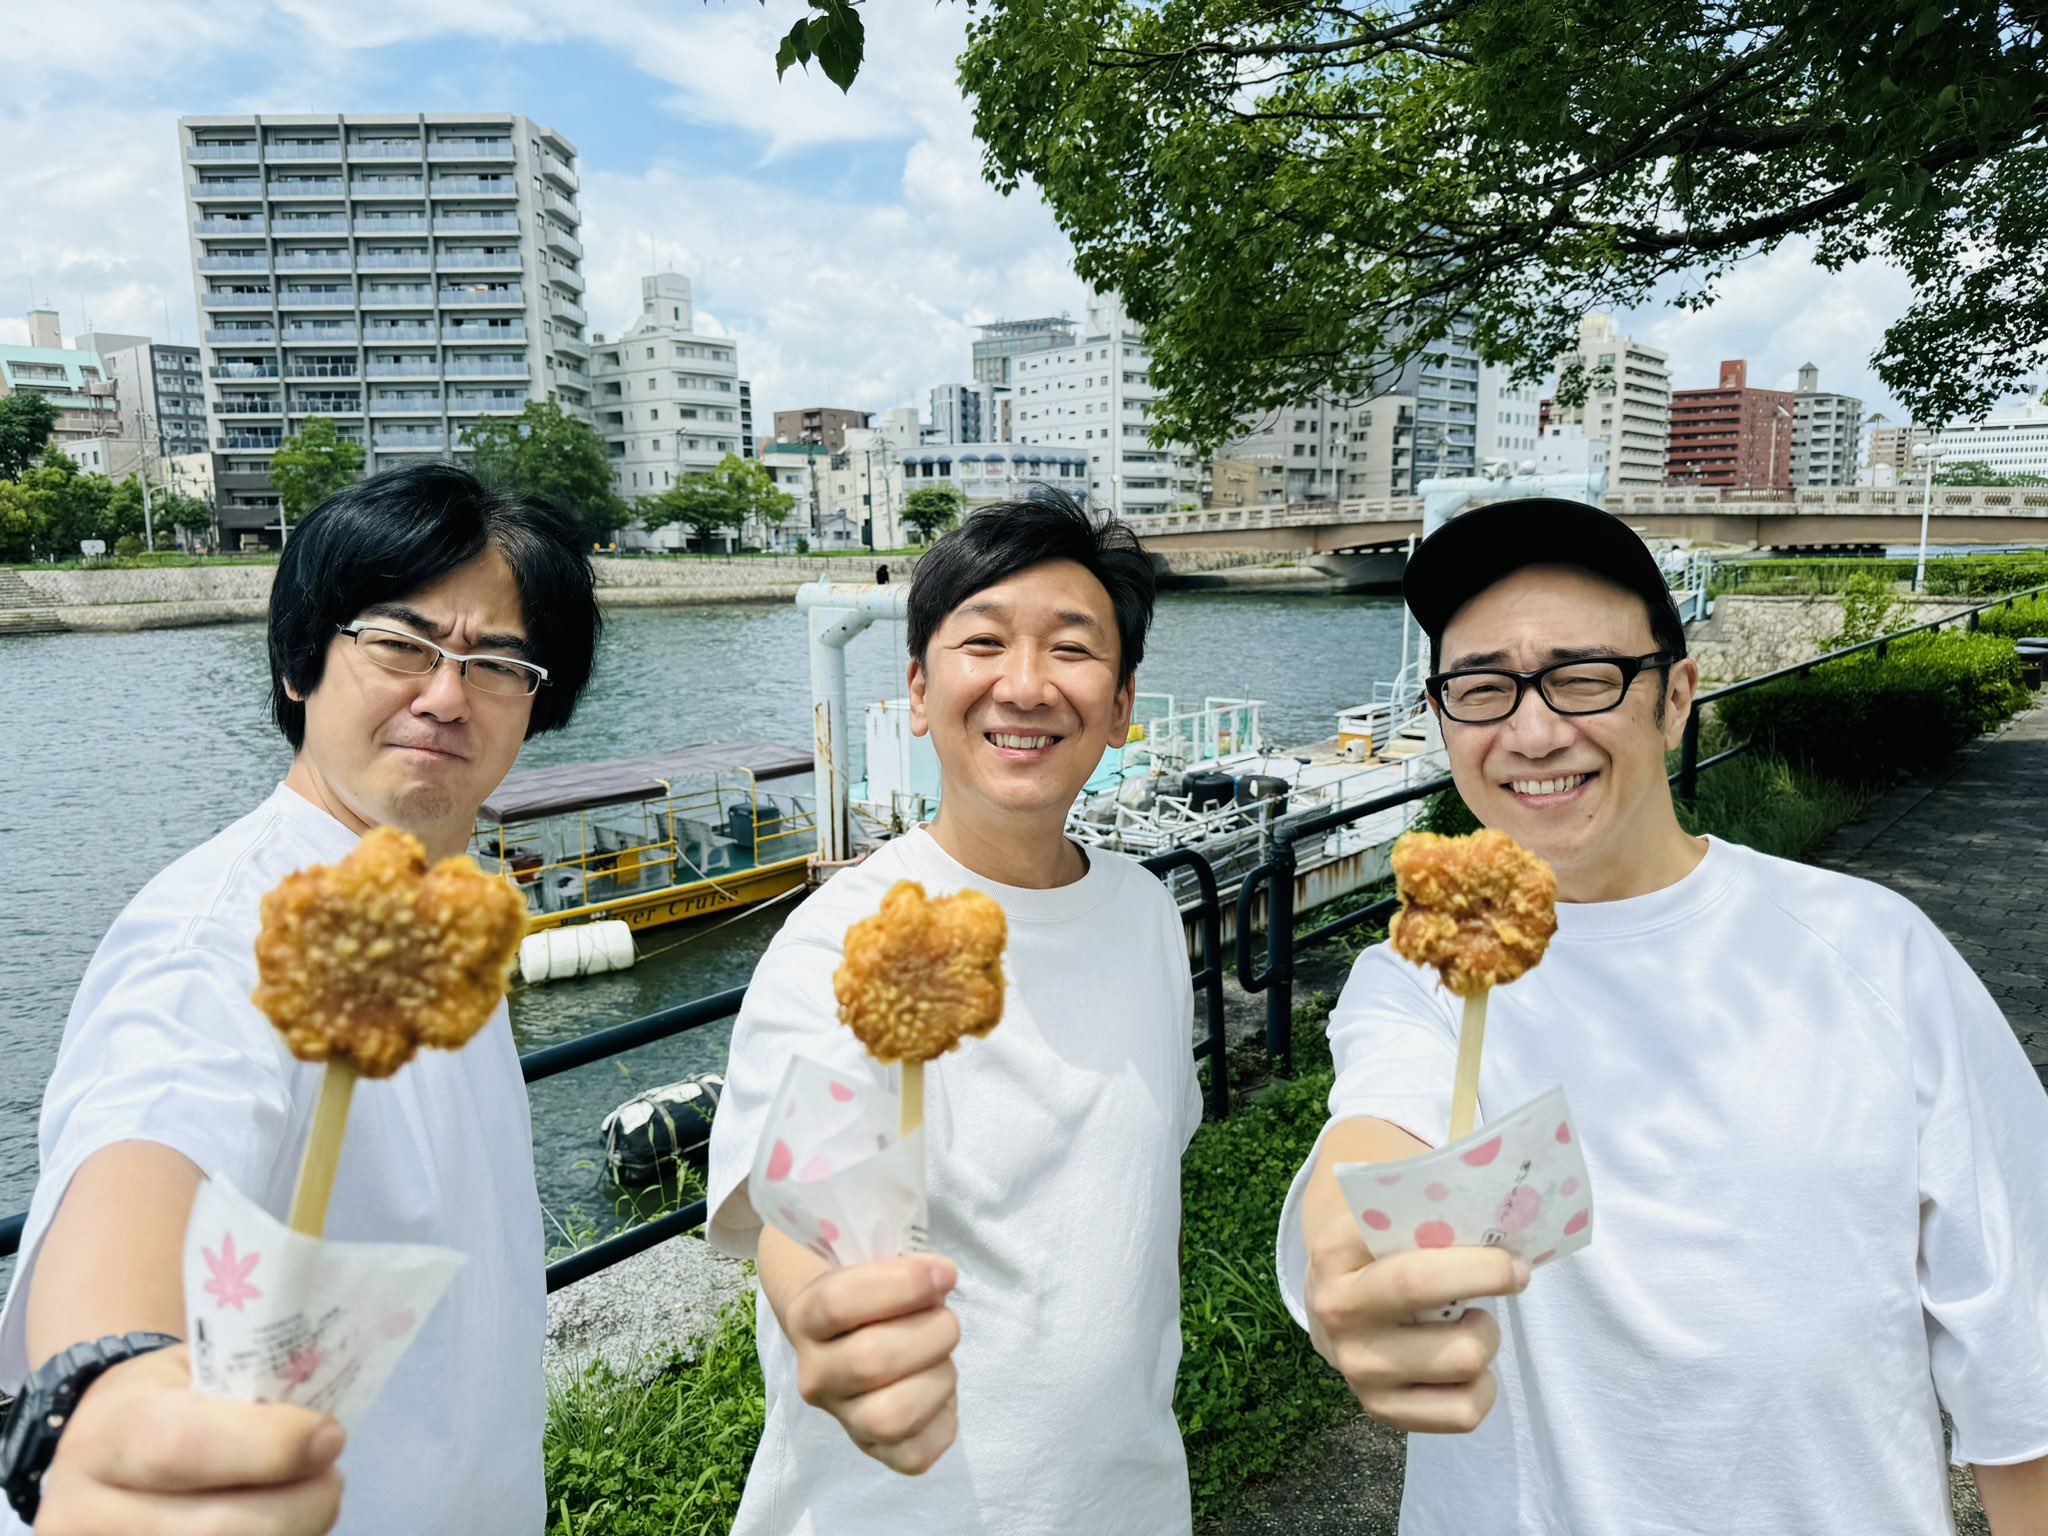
pixel 1366 1315
pixel 144 1452
pixel 874 1348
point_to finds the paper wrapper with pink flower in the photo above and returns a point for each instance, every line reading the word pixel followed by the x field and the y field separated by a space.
pixel 359 965
pixel 840 1168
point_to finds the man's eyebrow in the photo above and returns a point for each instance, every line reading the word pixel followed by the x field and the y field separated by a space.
pixel 1474 659
pixel 988 607
pixel 413 618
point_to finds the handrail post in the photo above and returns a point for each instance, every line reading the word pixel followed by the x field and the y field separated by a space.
pixel 1280 957
pixel 1689 756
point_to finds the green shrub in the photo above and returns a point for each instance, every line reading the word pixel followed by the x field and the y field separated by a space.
pixel 2029 616
pixel 670 1456
pixel 1986 575
pixel 1446 813
pixel 1767 804
pixel 1871 720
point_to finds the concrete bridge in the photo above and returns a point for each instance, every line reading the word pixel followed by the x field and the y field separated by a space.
pixel 1364 540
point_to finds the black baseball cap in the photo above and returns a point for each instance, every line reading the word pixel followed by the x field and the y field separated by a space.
pixel 1477 548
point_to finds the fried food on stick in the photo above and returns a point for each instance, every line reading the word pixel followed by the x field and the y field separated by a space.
pixel 1481 909
pixel 919 976
pixel 363 962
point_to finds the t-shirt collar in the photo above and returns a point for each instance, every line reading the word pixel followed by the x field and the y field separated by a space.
pixel 332 837
pixel 1019 903
pixel 1678 902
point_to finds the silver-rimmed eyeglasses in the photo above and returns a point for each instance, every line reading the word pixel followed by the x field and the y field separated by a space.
pixel 1589 687
pixel 399 650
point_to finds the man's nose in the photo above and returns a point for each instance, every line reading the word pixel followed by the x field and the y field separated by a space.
pixel 1025 680
pixel 1535 729
pixel 442 693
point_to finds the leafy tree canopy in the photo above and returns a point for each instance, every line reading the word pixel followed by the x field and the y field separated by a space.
pixel 709 502
pixel 168 512
pixel 70 505
pixel 932 509
pixel 1304 193
pixel 545 452
pixel 312 464
pixel 26 421
pixel 1975 472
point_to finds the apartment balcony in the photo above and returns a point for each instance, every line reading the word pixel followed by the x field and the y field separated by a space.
pixel 312 261
pixel 240 150
pixel 299 335
pixel 238 189
pixel 302 149
pixel 242 335
pixel 374 335
pixel 561 207
pixel 567 276
pixel 509 293
pixel 403 224
pixel 557 170
pixel 561 308
pixel 425 368
pixel 242 371
pixel 458 222
pixel 230 441
pixel 310 224
pixel 228 226
pixel 248 405
pixel 398 297
pixel 394 261
pixel 476 186
pixel 406 405
pixel 461 367
pixel 325 368
pixel 572 346
pixel 343 299
pixel 237 300
pixel 409 440
pixel 388 186
pixel 307 186
pixel 384 149
pixel 234 264
pixel 487 333
pixel 337 405
pixel 469 149
pixel 458 259
pixel 513 402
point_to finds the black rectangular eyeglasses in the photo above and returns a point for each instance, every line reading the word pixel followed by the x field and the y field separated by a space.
pixel 1588 687
pixel 399 650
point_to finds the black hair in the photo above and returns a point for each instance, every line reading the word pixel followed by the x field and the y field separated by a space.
pixel 1005 537
pixel 401 530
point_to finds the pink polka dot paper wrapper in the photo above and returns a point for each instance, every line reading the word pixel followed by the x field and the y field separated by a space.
pixel 832 1174
pixel 1518 1182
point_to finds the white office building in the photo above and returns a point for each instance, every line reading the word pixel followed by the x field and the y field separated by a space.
pixel 1096 393
pixel 407 274
pixel 2012 440
pixel 1509 418
pixel 668 400
pixel 1628 403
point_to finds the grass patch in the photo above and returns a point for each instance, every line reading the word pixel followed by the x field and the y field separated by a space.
pixel 1767 804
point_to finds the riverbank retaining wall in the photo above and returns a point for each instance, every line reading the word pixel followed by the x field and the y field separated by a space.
pixel 1747 635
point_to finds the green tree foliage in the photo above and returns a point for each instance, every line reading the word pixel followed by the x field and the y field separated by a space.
pixel 1976 472
pixel 547 453
pixel 24 526
pixel 715 501
pixel 932 509
pixel 1871 606
pixel 168 513
pixel 312 464
pixel 835 36
pixel 1295 194
pixel 75 506
pixel 753 487
pixel 26 421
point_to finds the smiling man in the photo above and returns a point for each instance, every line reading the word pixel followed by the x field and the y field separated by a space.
pixel 1046 1339
pixel 1815 1144
pixel 421 628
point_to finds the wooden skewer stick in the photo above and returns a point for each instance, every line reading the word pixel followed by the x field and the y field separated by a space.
pixel 913 1097
pixel 323 1149
pixel 1465 1091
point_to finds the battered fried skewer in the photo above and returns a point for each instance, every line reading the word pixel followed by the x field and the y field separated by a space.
pixel 363 962
pixel 1481 909
pixel 919 976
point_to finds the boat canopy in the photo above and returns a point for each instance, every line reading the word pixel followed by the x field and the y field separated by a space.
pixel 528 793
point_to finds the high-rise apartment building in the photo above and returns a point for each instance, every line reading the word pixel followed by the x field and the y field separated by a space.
pixel 824 424
pixel 72 379
pixel 1379 448
pixel 667 399
pixel 1827 431
pixel 1627 403
pixel 1731 435
pixel 1306 440
pixel 1003 342
pixel 1096 393
pixel 408 275
pixel 161 391
pixel 971 413
pixel 1892 448
pixel 2012 440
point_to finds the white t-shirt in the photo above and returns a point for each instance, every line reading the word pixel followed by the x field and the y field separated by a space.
pixel 163 1045
pixel 1053 1153
pixel 1818 1156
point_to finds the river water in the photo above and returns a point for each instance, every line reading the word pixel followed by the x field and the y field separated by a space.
pixel 120 752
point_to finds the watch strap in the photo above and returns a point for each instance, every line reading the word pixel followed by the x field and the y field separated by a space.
pixel 39 1415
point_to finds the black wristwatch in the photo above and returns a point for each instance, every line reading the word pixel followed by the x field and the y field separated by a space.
pixel 44 1407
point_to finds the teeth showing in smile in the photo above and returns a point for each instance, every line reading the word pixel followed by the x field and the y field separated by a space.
pixel 1024 743
pixel 1547 786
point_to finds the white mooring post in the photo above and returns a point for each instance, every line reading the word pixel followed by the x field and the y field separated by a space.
pixel 838 611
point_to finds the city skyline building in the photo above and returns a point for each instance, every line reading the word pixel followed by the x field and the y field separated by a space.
pixel 1002 342
pixel 407 274
pixel 72 379
pixel 970 413
pixel 1305 439
pixel 1627 403
pixel 1827 433
pixel 160 391
pixel 1379 445
pixel 1891 449
pixel 2010 440
pixel 826 424
pixel 1731 434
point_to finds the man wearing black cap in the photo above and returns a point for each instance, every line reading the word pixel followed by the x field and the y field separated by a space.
pixel 1815 1145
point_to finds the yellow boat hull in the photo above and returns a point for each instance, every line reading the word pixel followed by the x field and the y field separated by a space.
pixel 682 903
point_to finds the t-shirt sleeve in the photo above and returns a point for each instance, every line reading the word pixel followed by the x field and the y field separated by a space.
pixel 163 1046
pixel 1394 1045
pixel 789 1010
pixel 1983 1210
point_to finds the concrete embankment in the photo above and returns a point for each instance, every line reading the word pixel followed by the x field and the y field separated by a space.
pixel 1746 636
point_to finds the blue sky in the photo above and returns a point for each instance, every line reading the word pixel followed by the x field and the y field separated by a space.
pixel 847 242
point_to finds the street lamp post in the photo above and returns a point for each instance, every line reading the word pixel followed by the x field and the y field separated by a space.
pixel 1932 455
pixel 1778 412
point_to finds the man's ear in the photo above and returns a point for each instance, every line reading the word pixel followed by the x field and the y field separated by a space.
pixel 919 725
pixel 1126 701
pixel 1680 687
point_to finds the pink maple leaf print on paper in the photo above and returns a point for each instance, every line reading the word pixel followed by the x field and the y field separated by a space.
pixel 230 1285
pixel 300 1365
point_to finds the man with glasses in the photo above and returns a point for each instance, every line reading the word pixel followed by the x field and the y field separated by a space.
pixel 421 628
pixel 1815 1145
